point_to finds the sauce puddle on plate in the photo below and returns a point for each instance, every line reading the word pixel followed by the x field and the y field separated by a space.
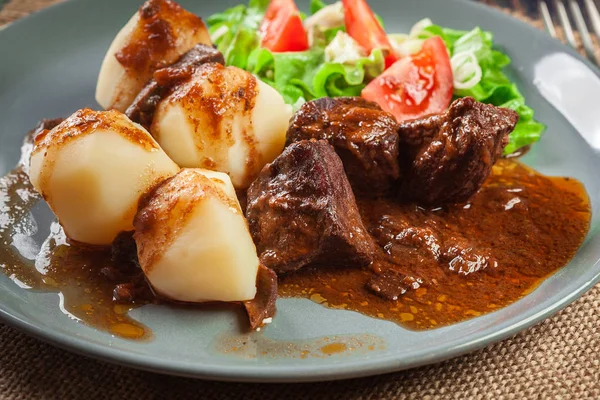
pixel 252 346
pixel 80 274
pixel 471 259
pixel 463 261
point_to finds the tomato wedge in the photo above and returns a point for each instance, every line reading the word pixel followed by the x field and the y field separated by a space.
pixel 281 29
pixel 363 27
pixel 416 85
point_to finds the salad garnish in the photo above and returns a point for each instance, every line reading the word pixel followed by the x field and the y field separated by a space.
pixel 342 49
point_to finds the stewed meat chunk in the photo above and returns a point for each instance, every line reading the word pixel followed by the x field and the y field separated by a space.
pixel 301 211
pixel 143 107
pixel 263 307
pixel 447 157
pixel 390 284
pixel 363 135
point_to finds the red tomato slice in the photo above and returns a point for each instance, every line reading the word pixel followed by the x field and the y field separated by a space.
pixel 363 27
pixel 416 85
pixel 281 29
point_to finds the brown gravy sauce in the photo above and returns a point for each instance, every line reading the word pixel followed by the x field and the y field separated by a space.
pixel 80 274
pixel 469 260
pixel 250 346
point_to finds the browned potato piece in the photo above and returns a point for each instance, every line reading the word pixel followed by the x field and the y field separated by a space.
pixel 156 36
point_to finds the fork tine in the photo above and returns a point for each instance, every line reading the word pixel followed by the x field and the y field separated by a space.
pixel 594 15
pixel 566 23
pixel 547 18
pixel 586 39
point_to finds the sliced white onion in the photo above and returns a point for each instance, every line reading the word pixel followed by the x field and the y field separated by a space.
pixel 216 35
pixel 398 38
pixel 466 70
pixel 328 17
pixel 331 16
pixel 471 41
pixel 406 45
pixel 419 28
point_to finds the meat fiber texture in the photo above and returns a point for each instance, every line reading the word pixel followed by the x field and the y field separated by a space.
pixel 447 157
pixel 363 135
pixel 302 212
pixel 143 107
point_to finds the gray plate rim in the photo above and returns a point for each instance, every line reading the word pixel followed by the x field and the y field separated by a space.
pixel 352 369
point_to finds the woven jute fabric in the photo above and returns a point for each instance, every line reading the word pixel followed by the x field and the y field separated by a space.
pixel 15 9
pixel 557 359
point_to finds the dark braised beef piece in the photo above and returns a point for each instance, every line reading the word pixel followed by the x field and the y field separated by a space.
pixel 263 305
pixel 301 211
pixel 124 252
pixel 428 238
pixel 135 291
pixel 125 269
pixel 143 107
pixel 391 284
pixel 463 257
pixel 363 135
pixel 447 157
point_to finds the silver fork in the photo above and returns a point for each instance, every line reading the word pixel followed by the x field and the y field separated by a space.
pixel 578 16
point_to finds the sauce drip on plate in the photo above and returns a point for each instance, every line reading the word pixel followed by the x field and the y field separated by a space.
pixel 78 273
pixel 457 262
pixel 82 275
pixel 461 261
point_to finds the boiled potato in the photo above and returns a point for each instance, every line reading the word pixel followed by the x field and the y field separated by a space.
pixel 92 169
pixel 193 242
pixel 156 36
pixel 223 119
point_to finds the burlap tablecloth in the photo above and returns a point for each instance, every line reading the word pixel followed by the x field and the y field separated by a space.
pixel 557 359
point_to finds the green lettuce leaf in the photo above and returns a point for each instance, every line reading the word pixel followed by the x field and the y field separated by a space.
pixel 259 5
pixel 316 5
pixel 238 51
pixel 495 87
pixel 336 79
pixel 235 31
pixel 331 33
pixel 290 74
pixel 304 76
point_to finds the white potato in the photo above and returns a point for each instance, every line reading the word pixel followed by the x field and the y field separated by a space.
pixel 93 168
pixel 223 119
pixel 156 36
pixel 193 241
